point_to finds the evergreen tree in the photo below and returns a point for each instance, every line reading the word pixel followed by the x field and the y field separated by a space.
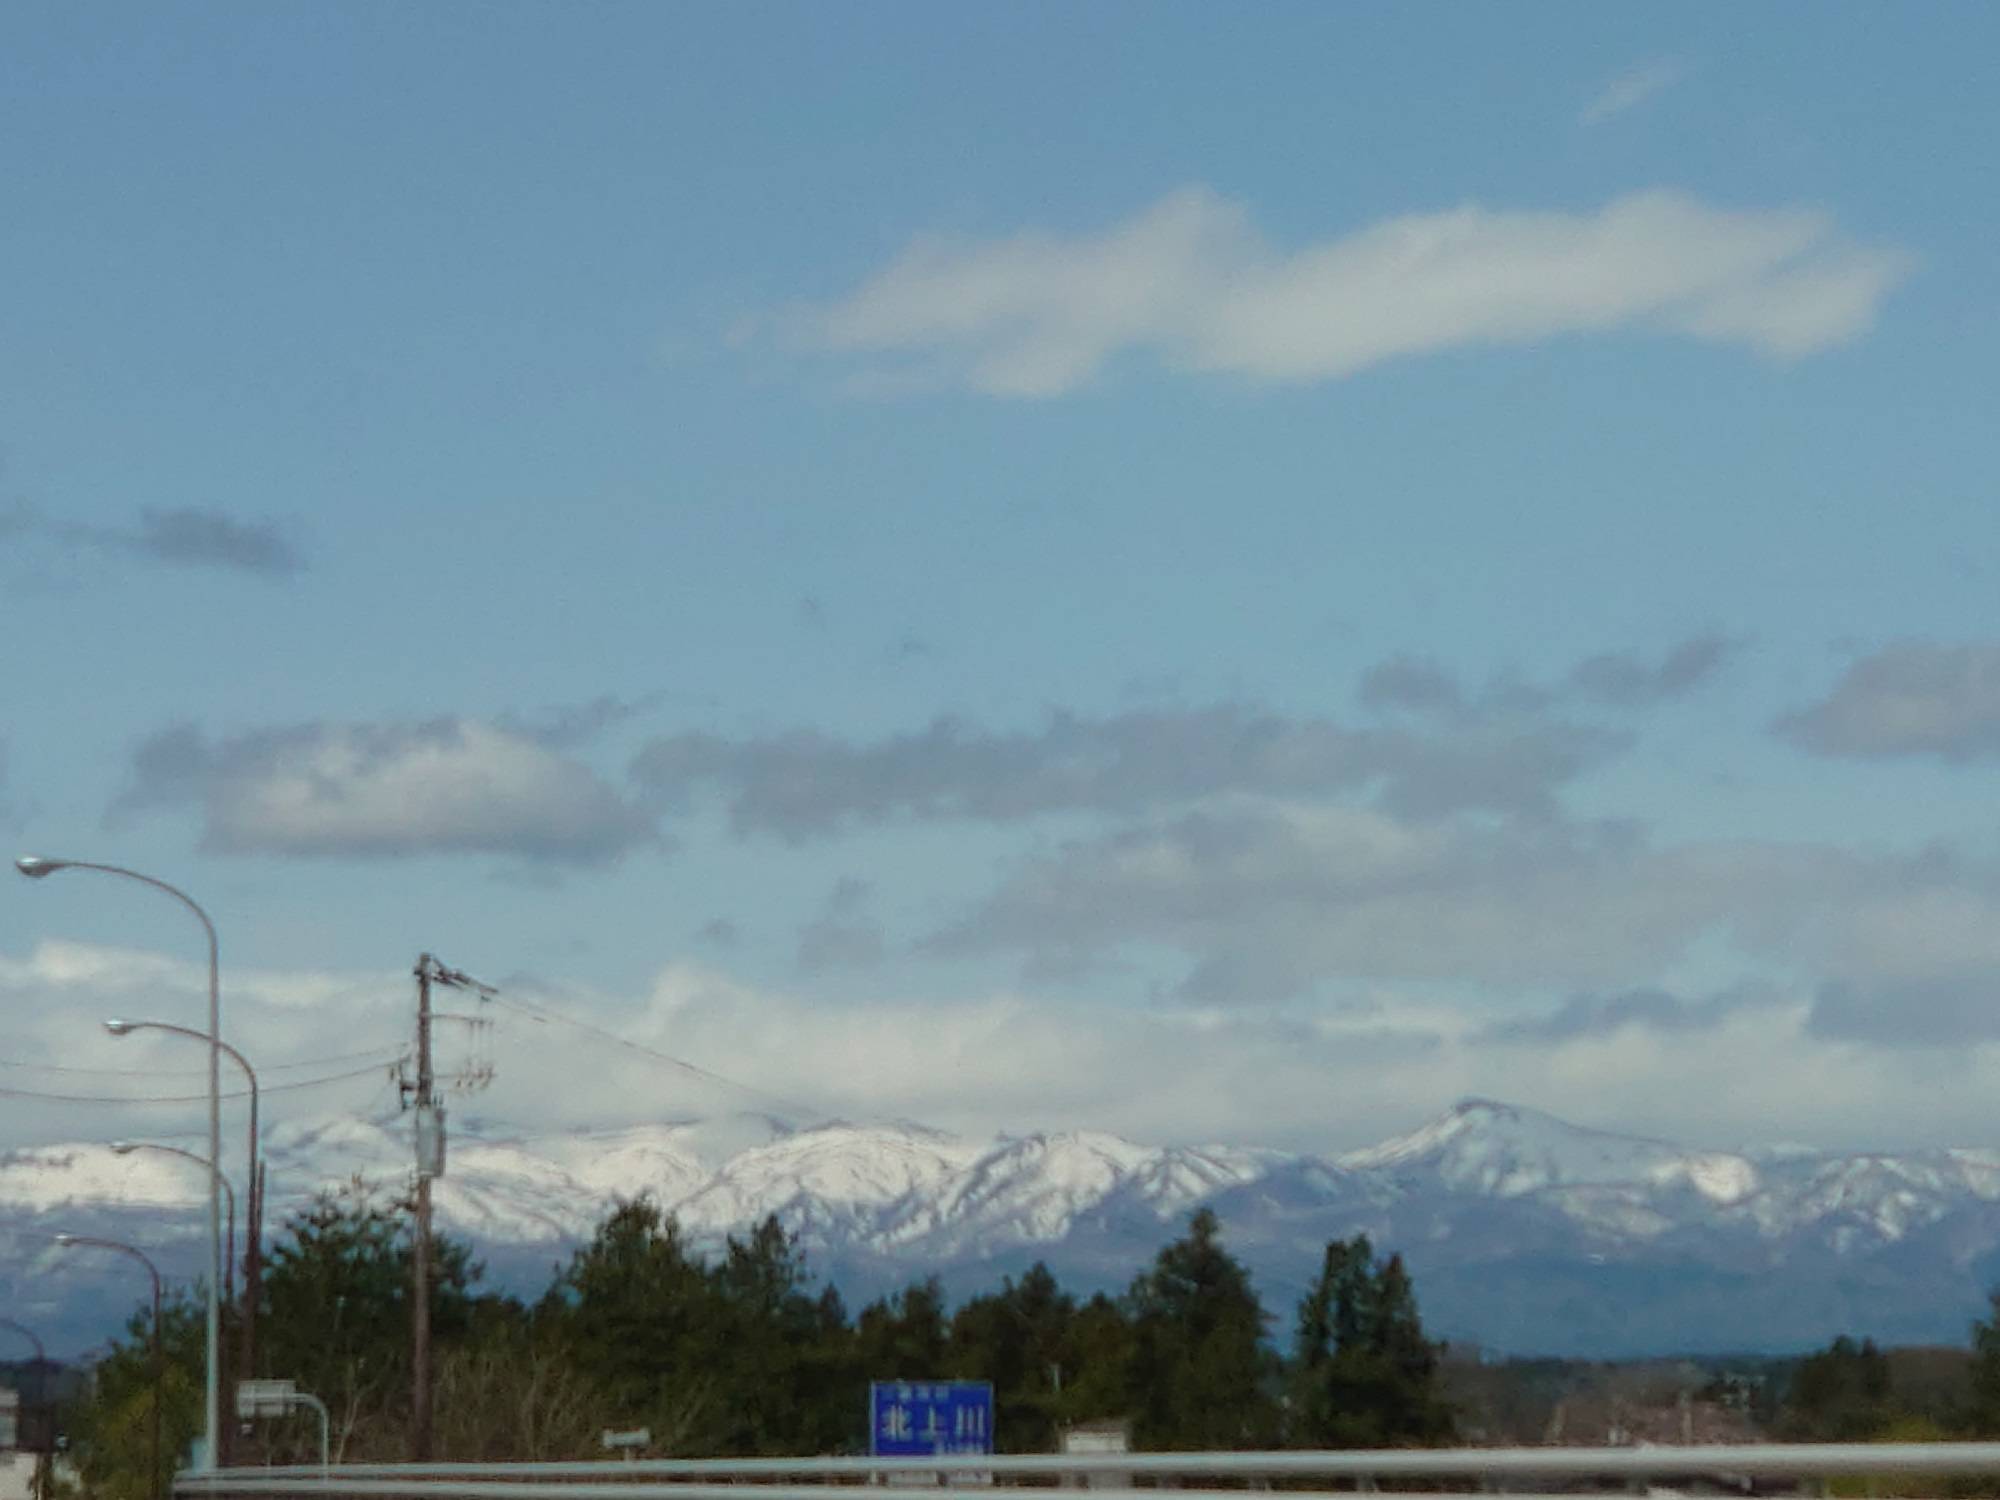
pixel 1841 1394
pixel 1198 1376
pixel 1015 1338
pixel 905 1336
pixel 334 1315
pixel 1363 1374
pixel 1096 1357
pixel 642 1319
pixel 782 1394
pixel 111 1433
pixel 1983 1407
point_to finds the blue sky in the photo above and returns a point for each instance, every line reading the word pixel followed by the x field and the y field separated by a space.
pixel 984 562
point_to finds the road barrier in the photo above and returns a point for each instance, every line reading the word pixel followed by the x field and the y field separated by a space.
pixel 1512 1471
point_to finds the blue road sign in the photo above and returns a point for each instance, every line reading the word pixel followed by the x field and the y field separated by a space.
pixel 922 1418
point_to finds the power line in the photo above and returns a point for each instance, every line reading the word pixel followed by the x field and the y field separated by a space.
pixel 202 1098
pixel 541 1013
pixel 384 1052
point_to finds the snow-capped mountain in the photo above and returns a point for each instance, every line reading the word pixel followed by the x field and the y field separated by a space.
pixel 1523 1232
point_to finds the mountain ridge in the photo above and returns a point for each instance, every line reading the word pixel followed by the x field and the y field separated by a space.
pixel 1524 1232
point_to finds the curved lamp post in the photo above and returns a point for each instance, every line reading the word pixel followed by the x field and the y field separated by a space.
pixel 73 1241
pixel 126 1148
pixel 253 1218
pixel 38 1479
pixel 37 868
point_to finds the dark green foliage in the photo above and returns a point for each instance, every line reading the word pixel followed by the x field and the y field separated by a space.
pixel 1363 1375
pixel 740 1354
pixel 1097 1356
pixel 111 1432
pixel 1199 1376
pixel 335 1318
pixel 1840 1395
pixel 1018 1338
pixel 904 1337
pixel 785 1358
pixel 640 1317
pixel 1983 1401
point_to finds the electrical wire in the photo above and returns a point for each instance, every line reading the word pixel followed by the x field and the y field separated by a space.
pixel 541 1013
pixel 202 1098
pixel 384 1052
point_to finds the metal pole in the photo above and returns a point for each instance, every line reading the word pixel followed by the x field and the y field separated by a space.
pixel 253 1228
pixel 420 1259
pixel 159 1380
pixel 126 1148
pixel 253 1222
pixel 306 1398
pixel 36 868
pixel 67 1241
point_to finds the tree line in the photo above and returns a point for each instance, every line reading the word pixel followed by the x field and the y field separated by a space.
pixel 743 1353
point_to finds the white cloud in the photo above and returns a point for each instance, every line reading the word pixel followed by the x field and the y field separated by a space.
pixel 1192 282
pixel 445 786
pixel 1632 88
pixel 1266 900
pixel 1325 1077
pixel 294 1026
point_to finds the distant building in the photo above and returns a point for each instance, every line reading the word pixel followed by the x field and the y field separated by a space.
pixel 17 1470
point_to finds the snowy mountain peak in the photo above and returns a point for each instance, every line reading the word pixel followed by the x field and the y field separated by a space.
pixel 1770 1249
pixel 1506 1150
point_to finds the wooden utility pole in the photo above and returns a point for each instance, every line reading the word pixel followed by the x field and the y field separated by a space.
pixel 420 1259
pixel 422 1092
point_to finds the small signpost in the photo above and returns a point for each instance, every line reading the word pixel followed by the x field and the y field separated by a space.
pixel 265 1398
pixel 277 1398
pixel 929 1418
pixel 631 1440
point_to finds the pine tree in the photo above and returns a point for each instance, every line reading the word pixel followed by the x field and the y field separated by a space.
pixel 1841 1394
pixel 335 1316
pixel 1363 1374
pixel 641 1317
pixel 1198 1373
pixel 1014 1338
pixel 905 1336
pixel 776 1396
pixel 1983 1412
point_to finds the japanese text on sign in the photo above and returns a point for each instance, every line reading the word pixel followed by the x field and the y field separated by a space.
pixel 920 1418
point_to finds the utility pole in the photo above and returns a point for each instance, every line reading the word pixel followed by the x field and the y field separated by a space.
pixel 422 1093
pixel 420 1279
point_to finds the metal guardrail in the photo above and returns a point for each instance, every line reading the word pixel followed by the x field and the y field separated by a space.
pixel 820 1478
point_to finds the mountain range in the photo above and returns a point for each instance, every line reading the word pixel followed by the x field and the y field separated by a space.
pixel 1524 1234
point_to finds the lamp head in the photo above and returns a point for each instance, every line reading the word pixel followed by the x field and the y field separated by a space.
pixel 35 867
pixel 65 1240
pixel 117 1027
pixel 124 1148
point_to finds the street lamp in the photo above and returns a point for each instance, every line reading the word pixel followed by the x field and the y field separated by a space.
pixel 73 1241
pixel 253 1219
pixel 37 868
pixel 126 1148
